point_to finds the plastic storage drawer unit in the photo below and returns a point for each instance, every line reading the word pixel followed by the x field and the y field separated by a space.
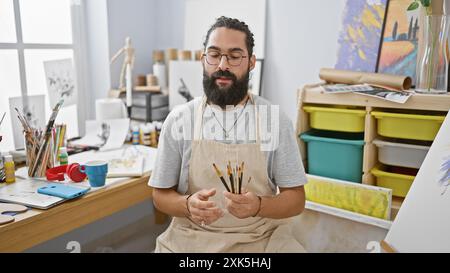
pixel 401 154
pixel 334 154
pixel 408 126
pixel 399 183
pixel 336 119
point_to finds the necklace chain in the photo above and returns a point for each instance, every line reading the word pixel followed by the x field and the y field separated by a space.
pixel 235 121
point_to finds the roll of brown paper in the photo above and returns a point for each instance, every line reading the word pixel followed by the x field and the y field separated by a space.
pixel 198 55
pixel 377 79
pixel 152 80
pixel 172 54
pixel 141 80
pixel 158 56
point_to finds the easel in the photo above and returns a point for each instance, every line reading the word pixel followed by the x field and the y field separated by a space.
pixel 387 247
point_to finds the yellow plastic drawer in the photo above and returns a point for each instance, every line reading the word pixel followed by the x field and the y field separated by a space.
pixel 336 119
pixel 399 183
pixel 408 126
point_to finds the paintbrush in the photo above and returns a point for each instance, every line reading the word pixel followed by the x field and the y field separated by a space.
pixel 239 172
pixel 236 176
pixel 241 169
pixel 45 139
pixel 21 119
pixel 230 174
pixel 219 173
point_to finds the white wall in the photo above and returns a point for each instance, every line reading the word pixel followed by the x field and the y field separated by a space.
pixel 135 19
pixel 170 21
pixel 301 38
pixel 98 52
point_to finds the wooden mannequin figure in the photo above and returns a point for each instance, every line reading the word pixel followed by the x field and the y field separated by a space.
pixel 128 60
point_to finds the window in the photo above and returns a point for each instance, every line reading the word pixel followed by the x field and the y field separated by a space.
pixel 31 32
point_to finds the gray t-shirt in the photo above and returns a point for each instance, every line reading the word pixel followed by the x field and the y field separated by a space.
pixel 278 142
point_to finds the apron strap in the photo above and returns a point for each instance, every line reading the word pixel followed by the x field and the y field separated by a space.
pixel 257 121
pixel 198 119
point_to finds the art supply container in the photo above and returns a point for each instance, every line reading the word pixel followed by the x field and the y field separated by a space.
pixel 408 126
pixel 341 119
pixel 335 154
pixel 63 156
pixel 135 135
pixel 10 171
pixel 401 154
pixel 396 178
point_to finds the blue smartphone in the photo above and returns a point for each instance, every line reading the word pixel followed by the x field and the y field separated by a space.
pixel 63 191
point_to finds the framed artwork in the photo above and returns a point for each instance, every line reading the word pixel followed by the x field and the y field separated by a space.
pixel 399 46
pixel 60 78
pixel 360 36
pixel 185 82
pixel 33 109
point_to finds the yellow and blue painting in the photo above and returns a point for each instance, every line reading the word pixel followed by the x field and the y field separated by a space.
pixel 399 48
pixel 445 179
pixel 360 36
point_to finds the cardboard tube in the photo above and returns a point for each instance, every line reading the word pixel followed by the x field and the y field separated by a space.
pixel 172 54
pixel 141 80
pixel 152 80
pixel 185 55
pixel 377 79
pixel 158 56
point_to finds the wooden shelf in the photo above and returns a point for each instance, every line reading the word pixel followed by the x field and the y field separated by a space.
pixel 313 94
pixel 155 89
pixel 430 102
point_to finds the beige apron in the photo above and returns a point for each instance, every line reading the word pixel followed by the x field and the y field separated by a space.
pixel 228 234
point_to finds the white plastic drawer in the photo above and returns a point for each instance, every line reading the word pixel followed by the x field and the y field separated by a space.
pixel 401 154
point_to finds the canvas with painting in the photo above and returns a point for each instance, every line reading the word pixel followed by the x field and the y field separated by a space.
pixel 33 109
pixel 400 43
pixel 185 81
pixel 359 38
pixel 422 224
pixel 60 78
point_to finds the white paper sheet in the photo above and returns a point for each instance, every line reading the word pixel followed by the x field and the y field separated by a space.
pixel 60 78
pixel 106 134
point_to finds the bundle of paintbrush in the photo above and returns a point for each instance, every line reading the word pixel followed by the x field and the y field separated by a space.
pixel 235 176
pixel 39 144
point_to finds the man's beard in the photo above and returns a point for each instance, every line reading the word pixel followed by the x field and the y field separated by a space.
pixel 231 95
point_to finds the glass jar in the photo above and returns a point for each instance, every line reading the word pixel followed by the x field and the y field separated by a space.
pixel 432 64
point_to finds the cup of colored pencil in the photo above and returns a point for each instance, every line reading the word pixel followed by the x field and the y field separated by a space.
pixel 235 175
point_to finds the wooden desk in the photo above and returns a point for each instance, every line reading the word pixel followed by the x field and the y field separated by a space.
pixel 36 226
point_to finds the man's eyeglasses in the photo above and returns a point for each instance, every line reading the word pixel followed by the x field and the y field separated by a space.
pixel 233 59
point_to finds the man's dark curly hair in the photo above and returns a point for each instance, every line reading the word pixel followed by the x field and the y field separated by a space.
pixel 235 24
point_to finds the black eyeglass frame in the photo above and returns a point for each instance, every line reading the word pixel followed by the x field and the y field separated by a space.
pixel 221 55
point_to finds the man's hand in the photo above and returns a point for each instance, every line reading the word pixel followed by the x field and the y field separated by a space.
pixel 202 211
pixel 243 205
